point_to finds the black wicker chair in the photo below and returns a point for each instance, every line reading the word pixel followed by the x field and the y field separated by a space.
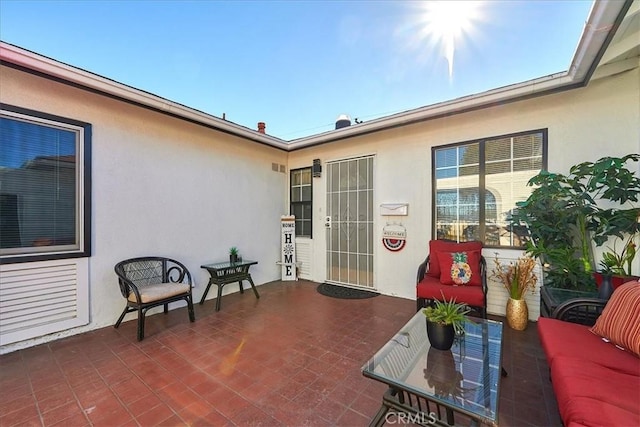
pixel 148 282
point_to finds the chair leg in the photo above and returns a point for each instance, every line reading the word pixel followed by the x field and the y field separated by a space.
pixel 192 316
pixel 420 303
pixel 141 314
pixel 124 312
pixel 166 308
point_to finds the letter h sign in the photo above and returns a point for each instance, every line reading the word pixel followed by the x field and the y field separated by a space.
pixel 288 259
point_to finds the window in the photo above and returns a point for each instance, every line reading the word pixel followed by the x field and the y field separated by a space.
pixel 301 200
pixel 45 194
pixel 476 186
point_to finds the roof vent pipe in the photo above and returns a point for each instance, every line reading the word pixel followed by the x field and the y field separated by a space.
pixel 262 127
pixel 343 121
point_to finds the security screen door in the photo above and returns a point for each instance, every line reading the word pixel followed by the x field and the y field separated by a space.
pixel 350 233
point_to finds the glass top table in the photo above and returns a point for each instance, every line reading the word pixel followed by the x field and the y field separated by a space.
pixel 223 273
pixel 423 380
pixel 551 298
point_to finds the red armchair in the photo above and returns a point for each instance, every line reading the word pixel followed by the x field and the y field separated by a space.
pixel 455 270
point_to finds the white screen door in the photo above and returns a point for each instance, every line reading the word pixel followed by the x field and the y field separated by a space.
pixel 350 235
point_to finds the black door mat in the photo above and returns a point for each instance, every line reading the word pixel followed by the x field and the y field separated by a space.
pixel 343 292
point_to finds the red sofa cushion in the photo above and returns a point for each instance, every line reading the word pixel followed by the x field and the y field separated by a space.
pixel 566 339
pixel 431 288
pixel 452 273
pixel 590 394
pixel 437 246
pixel 620 319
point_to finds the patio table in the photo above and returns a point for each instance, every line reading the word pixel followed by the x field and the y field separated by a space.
pixel 551 297
pixel 223 273
pixel 429 386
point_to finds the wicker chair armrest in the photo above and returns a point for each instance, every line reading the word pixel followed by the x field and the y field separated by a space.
pixel 422 270
pixel 483 276
pixel 584 311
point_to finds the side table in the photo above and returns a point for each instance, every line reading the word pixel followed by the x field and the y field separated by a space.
pixel 223 273
pixel 550 298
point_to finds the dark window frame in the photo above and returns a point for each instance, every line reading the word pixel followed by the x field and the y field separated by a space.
pixel 481 176
pixel 83 201
pixel 302 202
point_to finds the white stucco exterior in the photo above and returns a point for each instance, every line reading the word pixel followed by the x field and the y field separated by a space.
pixel 602 119
pixel 163 186
pixel 175 182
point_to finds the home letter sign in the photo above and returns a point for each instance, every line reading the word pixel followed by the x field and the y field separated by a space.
pixel 288 259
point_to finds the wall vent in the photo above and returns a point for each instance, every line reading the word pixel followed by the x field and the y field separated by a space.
pixel 41 298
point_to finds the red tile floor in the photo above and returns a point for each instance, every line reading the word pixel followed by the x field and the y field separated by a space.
pixel 291 358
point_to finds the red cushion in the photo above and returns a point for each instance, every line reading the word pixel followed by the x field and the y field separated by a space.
pixel 566 339
pixel 590 394
pixel 620 319
pixel 437 246
pixel 430 288
pixel 463 272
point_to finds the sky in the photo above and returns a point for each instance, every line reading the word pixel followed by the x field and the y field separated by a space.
pixel 297 65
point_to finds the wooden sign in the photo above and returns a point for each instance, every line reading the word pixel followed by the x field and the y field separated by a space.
pixel 288 258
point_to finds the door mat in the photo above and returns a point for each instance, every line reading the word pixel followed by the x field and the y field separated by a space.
pixel 343 292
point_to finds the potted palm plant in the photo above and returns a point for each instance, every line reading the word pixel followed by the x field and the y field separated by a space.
pixel 517 278
pixel 233 255
pixel 445 320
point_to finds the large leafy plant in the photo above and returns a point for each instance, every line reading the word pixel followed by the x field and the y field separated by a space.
pixel 567 216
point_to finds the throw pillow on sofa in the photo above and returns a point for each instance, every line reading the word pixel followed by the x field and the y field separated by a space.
pixel 620 319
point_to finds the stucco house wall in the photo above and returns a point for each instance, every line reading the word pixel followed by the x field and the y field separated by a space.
pixel 163 186
pixel 584 124
pixel 166 186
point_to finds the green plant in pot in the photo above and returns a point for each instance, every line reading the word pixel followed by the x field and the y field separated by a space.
pixel 616 262
pixel 233 254
pixel 445 320
pixel 566 218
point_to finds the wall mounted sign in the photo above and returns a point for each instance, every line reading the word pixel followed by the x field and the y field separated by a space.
pixel 394 237
pixel 288 257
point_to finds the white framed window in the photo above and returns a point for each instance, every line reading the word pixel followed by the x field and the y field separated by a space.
pixel 476 185
pixel 45 186
pixel 301 201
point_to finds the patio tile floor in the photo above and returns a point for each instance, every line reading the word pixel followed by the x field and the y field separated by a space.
pixel 291 358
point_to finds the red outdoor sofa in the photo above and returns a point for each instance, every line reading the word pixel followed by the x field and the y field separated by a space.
pixel 595 371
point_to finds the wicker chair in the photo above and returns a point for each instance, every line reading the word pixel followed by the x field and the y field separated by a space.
pixel 429 286
pixel 148 282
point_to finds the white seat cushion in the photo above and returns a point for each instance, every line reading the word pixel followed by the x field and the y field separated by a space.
pixel 160 291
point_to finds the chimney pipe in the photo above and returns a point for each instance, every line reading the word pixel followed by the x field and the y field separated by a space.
pixel 262 127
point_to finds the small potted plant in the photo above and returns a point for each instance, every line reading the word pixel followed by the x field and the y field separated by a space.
pixel 445 320
pixel 616 262
pixel 517 278
pixel 233 255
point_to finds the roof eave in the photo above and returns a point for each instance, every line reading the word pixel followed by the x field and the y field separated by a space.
pixel 603 20
pixel 32 62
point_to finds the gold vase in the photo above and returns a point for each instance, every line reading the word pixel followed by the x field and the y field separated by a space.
pixel 517 314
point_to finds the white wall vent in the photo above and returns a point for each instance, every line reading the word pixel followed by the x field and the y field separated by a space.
pixel 41 298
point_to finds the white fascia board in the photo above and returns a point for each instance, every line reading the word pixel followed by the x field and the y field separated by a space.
pixel 456 106
pixel 50 67
pixel 598 28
